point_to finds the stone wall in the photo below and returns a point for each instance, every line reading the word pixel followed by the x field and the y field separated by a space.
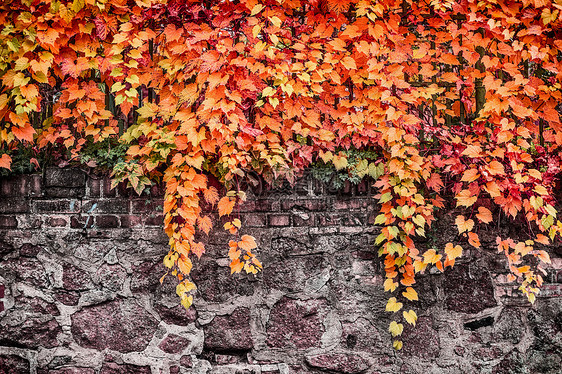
pixel 80 293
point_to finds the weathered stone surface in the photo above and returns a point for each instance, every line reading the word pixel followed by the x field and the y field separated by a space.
pixel 75 279
pixel 176 315
pixel 509 326
pixel 468 289
pixel 30 324
pixel 295 323
pixel 422 340
pixel 230 332
pixel 361 335
pixel 146 276
pixel 111 277
pixel 69 370
pixel 113 368
pixel 82 299
pixel 12 364
pixel 26 270
pixel 214 286
pixel 5 249
pixel 173 344
pixel 114 325
pixel 340 362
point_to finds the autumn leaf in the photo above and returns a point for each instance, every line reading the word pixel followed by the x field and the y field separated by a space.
pixel 410 294
pixel 464 225
pixel 393 305
pixel 226 205
pixel 465 198
pixel 484 215
pixel 5 161
pixel 395 328
pixel 410 317
pixel 453 252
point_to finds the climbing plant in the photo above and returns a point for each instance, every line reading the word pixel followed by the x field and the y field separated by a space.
pixel 442 101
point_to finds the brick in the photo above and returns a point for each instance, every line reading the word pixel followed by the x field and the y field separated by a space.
pixel 54 192
pixel 56 206
pixel 254 220
pixel 14 205
pixel 279 220
pixel 57 222
pixel 81 222
pixel 67 178
pixel 328 220
pixel 107 190
pixel 305 204
pixel 107 222
pixel 157 220
pixel 303 219
pixel 106 206
pixel 21 185
pixel 94 187
pixel 130 221
pixel 8 222
pixel 147 205
pixel 352 203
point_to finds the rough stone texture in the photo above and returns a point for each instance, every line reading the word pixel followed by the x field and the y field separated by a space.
pixel 80 291
pixel 343 363
pixel 124 326
pixel 231 332
pixel 12 364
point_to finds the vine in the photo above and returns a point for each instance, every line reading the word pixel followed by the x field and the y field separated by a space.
pixel 431 98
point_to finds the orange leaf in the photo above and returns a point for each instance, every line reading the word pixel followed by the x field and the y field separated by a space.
pixel 484 215
pixel 184 264
pixel 5 161
pixel 211 195
pixel 247 243
pixel 465 198
pixel 496 168
pixel 473 239
pixel 225 206
pixel 205 224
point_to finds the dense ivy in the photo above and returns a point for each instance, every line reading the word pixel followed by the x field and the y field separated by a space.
pixel 431 98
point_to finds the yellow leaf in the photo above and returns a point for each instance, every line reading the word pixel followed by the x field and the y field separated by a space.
pixel 463 225
pixel 395 328
pixel 186 301
pixel 390 285
pixel 410 294
pixel 453 252
pixel 256 9
pixel 393 305
pixel 397 344
pixel 431 257
pixel 410 317
pixel 339 162
pixel 465 198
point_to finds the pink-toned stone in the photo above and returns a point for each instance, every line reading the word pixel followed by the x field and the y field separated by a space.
pixel 230 332
pixel 114 325
pixel 294 323
pixel 173 344
pixel 340 362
